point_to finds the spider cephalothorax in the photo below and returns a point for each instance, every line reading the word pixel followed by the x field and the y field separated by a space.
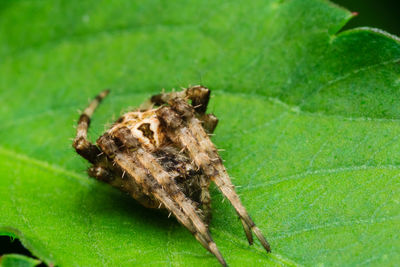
pixel 163 157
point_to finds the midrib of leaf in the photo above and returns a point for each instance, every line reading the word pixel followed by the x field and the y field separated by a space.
pixel 306 173
pixel 339 224
pixel 290 108
pixel 45 165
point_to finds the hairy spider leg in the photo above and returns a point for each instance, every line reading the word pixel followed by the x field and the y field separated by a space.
pixel 209 122
pixel 209 148
pixel 205 198
pixel 188 207
pixel 131 142
pixel 198 94
pixel 200 149
pixel 144 168
pixel 222 180
pixel 81 144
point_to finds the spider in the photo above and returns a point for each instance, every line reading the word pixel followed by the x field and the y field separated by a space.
pixel 162 156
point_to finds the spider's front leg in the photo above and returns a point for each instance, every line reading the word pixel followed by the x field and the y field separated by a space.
pixel 186 130
pixel 81 143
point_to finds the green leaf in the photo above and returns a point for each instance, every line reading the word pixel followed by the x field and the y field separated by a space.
pixel 15 260
pixel 309 118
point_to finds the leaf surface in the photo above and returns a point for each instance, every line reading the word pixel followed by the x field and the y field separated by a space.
pixel 309 118
pixel 15 260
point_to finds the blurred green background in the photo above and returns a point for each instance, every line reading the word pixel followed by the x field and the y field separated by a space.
pixel 382 14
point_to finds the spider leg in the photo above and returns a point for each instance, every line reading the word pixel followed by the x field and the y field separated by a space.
pixel 205 198
pixel 144 168
pixel 164 179
pixel 81 144
pixel 100 173
pixel 223 181
pixel 199 95
pixel 209 122
pixel 192 136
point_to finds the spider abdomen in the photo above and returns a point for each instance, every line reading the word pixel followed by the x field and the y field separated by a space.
pixel 144 126
pixel 181 168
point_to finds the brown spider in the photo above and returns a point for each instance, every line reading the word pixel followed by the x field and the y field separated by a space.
pixel 163 157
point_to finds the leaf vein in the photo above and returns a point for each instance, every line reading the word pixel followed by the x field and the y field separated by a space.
pixel 338 224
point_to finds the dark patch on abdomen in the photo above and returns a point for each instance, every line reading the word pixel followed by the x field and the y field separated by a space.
pixel 147 132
